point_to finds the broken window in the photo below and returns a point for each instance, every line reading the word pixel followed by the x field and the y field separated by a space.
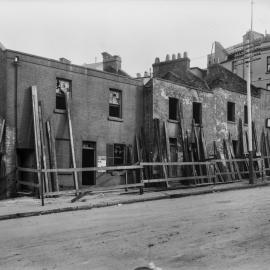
pixel 116 154
pixel 268 64
pixel 245 114
pixel 62 86
pixel 115 103
pixel 197 113
pixel 231 111
pixel 173 108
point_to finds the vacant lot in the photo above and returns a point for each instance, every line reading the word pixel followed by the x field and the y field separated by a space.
pixel 229 230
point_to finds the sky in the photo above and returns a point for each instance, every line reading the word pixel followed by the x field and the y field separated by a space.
pixel 137 30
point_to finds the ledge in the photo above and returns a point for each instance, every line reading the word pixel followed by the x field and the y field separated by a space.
pixel 59 111
pixel 230 122
pixel 173 121
pixel 116 119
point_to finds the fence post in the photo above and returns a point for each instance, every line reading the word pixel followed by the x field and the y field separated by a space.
pixel 141 179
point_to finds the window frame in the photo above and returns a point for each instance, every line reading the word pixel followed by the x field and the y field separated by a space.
pixel 200 116
pixel 120 117
pixel 111 159
pixel 268 64
pixel 176 100
pixel 268 86
pixel 58 95
pixel 229 103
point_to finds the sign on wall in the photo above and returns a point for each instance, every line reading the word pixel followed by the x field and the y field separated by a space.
pixel 101 162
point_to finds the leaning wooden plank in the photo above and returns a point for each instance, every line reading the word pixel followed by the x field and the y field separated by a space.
pixel 168 152
pixel 28 184
pixel 43 147
pixel 2 126
pixel 52 156
pixel 75 174
pixel 228 157
pixel 230 146
pixel 37 139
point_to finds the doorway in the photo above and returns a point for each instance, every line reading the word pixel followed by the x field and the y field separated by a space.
pixel 89 160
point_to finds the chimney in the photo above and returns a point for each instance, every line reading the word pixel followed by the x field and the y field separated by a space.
pixel 111 63
pixel 138 75
pixel 64 60
pixel 177 65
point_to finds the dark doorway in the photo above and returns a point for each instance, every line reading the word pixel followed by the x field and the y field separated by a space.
pixel 89 160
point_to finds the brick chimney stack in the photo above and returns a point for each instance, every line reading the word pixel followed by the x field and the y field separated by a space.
pixel 111 63
pixel 175 64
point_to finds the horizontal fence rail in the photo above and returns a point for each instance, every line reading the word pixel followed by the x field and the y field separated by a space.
pixel 213 171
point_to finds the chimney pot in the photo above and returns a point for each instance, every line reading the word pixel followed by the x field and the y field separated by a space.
pixel 173 57
pixel 185 55
pixel 138 75
pixel 167 57
pixel 178 55
pixel 157 60
pixel 146 74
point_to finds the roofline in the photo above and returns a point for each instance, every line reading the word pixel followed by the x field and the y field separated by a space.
pixel 71 65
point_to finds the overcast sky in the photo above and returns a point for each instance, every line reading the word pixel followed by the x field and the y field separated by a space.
pixel 138 31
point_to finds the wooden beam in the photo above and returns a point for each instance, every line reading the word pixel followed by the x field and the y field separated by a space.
pixel 52 156
pixel 43 147
pixel 37 139
pixel 75 174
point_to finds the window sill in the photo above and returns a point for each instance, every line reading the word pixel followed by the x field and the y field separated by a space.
pixel 245 124
pixel 231 122
pixel 173 121
pixel 197 125
pixel 59 111
pixel 116 119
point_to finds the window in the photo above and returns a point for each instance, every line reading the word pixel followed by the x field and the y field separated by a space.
pixel 231 112
pixel 115 103
pixel 173 105
pixel 116 154
pixel 268 86
pixel 234 144
pixel 245 115
pixel 197 113
pixel 268 64
pixel 62 86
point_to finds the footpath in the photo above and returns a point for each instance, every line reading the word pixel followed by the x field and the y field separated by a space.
pixel 28 206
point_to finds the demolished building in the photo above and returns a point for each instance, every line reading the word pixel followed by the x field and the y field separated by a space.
pixel 110 110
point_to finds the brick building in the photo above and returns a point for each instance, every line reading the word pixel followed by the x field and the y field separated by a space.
pixel 105 112
pixel 232 58
pixel 108 108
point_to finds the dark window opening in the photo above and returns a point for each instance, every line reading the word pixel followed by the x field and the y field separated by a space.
pixel 115 103
pixel 197 112
pixel 245 114
pixel 173 105
pixel 231 111
pixel 116 154
pixel 234 144
pixel 268 64
pixel 62 86
pixel 268 87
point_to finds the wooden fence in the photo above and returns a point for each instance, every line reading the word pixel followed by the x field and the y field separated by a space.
pixel 211 172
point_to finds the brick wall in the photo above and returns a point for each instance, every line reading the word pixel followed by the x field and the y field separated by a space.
pixel 89 103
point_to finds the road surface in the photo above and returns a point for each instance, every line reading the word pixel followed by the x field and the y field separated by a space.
pixel 229 230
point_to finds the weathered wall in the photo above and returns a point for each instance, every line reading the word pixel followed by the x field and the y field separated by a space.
pixel 89 105
pixel 214 110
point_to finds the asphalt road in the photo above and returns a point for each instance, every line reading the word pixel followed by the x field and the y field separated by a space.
pixel 229 230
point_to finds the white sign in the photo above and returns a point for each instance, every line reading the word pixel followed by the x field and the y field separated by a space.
pixel 101 162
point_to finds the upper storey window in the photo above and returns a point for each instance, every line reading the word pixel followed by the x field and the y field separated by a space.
pixel 62 86
pixel 115 103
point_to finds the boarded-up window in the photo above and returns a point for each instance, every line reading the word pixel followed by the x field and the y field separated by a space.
pixel 197 112
pixel 231 111
pixel 62 87
pixel 173 106
pixel 115 103
pixel 63 153
pixel 116 154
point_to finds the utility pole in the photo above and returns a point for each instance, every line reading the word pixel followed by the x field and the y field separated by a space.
pixel 250 147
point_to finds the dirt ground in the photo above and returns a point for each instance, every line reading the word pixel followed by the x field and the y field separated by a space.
pixel 229 230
